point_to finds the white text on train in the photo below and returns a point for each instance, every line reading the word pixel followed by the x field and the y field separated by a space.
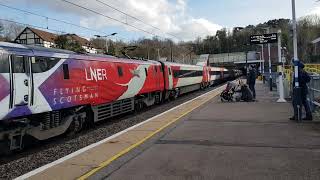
pixel 96 74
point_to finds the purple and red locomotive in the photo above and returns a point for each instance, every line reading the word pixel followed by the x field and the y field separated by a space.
pixel 45 92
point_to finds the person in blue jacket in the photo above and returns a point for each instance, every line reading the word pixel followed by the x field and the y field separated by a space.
pixel 303 79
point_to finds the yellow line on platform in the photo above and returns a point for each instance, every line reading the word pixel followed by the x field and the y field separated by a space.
pixel 123 152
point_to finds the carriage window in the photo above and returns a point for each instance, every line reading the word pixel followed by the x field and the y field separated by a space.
pixel 43 64
pixel 120 71
pixel 169 71
pixel 65 68
pixel 20 64
pixel 4 63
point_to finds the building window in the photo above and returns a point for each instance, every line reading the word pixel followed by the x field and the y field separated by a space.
pixel 23 41
pixel 37 41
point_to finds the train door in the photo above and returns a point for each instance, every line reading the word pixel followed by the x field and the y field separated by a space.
pixel 21 81
pixel 170 78
pixel 157 76
pixel 221 74
pixel 4 82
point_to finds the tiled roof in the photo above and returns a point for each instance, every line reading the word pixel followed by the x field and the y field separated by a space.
pixel 46 36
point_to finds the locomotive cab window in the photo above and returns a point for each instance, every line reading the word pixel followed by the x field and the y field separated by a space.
pixel 43 64
pixel 4 63
pixel 20 64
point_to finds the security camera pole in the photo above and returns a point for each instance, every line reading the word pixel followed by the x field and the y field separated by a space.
pixel 296 90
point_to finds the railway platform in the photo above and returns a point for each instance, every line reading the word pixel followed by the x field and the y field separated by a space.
pixel 202 139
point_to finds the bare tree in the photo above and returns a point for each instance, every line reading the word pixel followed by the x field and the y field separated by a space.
pixel 10 30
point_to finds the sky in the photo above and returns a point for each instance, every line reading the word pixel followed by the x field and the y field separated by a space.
pixel 179 20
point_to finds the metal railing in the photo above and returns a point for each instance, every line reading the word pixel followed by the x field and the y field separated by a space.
pixel 310 68
pixel 314 91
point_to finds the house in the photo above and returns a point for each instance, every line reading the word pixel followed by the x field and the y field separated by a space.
pixel 33 36
pixel 316 46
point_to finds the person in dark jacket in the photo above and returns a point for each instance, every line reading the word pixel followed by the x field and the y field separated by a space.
pixel 303 79
pixel 251 80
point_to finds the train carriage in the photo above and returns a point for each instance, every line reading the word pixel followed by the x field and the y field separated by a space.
pixel 184 78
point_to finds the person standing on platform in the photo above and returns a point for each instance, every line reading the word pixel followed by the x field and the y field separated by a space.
pixel 303 79
pixel 251 80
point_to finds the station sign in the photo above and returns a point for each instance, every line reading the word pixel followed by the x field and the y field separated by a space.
pixel 264 38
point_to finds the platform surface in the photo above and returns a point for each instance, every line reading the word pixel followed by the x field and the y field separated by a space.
pixel 205 139
pixel 223 141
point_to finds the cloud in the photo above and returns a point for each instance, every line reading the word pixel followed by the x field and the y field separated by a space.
pixel 315 11
pixel 194 28
pixel 170 16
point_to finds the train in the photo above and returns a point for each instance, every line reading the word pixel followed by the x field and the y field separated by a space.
pixel 46 92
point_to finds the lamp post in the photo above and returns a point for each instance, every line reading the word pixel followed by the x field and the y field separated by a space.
pixel 260 63
pixel 262 58
pixel 269 58
pixel 247 51
pixel 280 69
pixel 106 39
pixel 296 90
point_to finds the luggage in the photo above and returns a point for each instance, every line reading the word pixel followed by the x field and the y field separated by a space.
pixel 246 93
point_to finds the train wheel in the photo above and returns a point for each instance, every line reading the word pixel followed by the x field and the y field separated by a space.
pixel 139 106
pixel 5 148
pixel 76 125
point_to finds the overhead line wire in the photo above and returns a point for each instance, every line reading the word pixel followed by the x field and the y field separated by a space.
pixel 109 17
pixel 58 20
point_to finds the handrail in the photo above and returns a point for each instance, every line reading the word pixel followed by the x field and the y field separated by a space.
pixel 313 88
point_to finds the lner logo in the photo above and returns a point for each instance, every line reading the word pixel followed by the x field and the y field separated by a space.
pixel 96 74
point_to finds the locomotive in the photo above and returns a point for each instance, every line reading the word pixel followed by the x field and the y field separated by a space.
pixel 46 92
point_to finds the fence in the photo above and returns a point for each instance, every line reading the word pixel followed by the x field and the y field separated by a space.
pixel 310 68
pixel 314 90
